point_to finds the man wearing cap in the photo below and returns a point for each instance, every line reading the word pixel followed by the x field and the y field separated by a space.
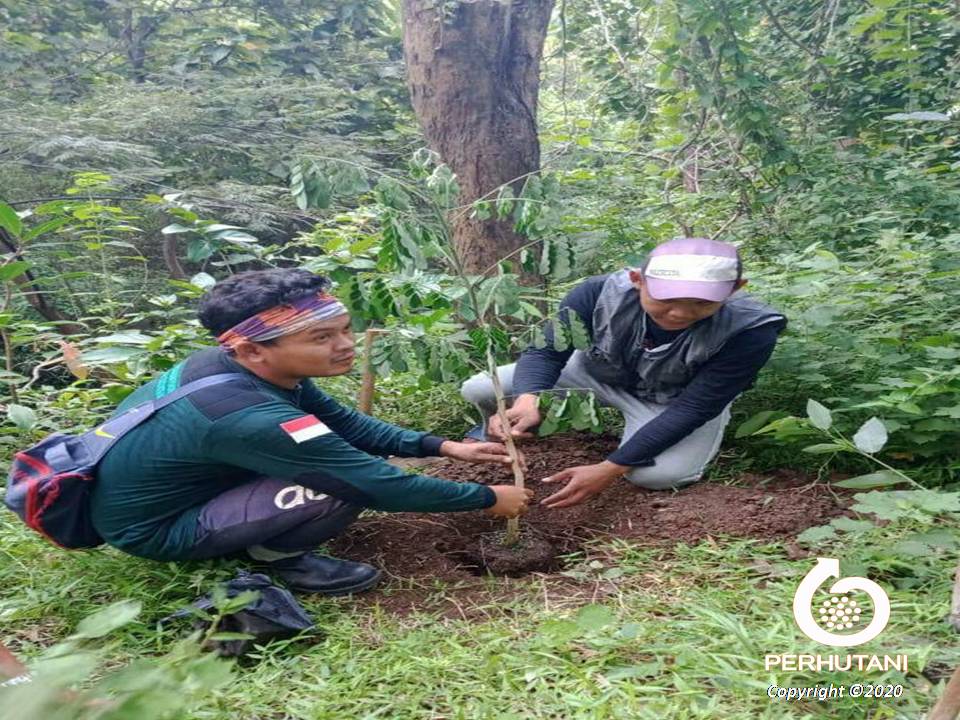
pixel 672 344
pixel 268 465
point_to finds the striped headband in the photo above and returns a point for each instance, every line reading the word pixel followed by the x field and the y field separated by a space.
pixel 282 320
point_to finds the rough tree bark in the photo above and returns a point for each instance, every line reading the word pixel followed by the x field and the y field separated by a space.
pixel 34 295
pixel 474 78
pixel 135 34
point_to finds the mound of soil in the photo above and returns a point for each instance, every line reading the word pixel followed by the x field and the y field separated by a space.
pixel 460 546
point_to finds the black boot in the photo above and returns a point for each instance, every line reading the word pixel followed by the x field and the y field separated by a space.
pixel 324 575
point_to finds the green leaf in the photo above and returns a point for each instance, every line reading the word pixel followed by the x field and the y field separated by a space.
pixel 944 539
pixel 823 448
pixel 175 228
pixel 849 525
pixel 818 534
pixel 203 280
pixel 13 270
pixel 130 338
pixel 226 636
pixel 923 115
pixel 871 437
pixel 199 249
pixel 10 220
pixel 754 423
pixel 107 620
pixel 545 262
pixel 110 355
pixel 819 416
pixel 885 505
pixel 912 549
pixel 631 672
pixel 538 341
pixel 505 202
pixel 235 236
pixel 21 416
pixel 45 227
pixel 578 331
pixel 943 353
pixel 409 244
pixel 594 617
pixel 881 478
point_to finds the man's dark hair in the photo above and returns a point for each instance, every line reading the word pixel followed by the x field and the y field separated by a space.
pixel 245 294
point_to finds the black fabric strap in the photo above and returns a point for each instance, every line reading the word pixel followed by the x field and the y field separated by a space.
pixel 99 441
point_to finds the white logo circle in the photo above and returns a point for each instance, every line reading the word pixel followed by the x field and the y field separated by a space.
pixel 838 613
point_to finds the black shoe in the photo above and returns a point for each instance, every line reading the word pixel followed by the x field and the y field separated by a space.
pixel 324 575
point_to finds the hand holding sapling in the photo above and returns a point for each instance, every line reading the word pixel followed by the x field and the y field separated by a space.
pixel 511 501
pixel 523 415
pixel 482 452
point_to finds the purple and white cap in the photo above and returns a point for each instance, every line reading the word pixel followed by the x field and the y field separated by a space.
pixel 692 268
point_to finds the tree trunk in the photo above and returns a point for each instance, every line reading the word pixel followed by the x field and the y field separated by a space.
pixel 171 259
pixel 474 77
pixel 135 34
pixel 30 288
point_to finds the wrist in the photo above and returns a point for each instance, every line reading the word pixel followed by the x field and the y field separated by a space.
pixel 612 470
pixel 526 401
pixel 448 448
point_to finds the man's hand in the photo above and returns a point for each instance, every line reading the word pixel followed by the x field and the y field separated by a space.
pixel 511 501
pixel 584 481
pixel 523 415
pixel 479 452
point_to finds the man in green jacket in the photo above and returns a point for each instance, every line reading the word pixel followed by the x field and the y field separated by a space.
pixel 268 464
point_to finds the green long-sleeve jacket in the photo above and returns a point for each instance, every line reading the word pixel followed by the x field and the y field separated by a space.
pixel 152 484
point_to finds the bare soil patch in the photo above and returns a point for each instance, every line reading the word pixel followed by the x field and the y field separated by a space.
pixel 418 549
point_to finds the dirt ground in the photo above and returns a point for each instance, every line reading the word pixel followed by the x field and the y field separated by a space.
pixel 416 549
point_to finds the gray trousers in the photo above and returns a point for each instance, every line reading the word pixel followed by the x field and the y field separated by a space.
pixel 678 465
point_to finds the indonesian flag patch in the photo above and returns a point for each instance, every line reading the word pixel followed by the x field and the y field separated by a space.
pixel 304 428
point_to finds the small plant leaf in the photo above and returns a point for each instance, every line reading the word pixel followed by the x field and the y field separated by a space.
pixel 820 416
pixel 823 448
pixel 871 437
pixel 849 525
pixel 754 423
pixel 13 270
pixel 107 620
pixel 203 280
pixel 21 416
pixel 10 220
pixel 817 534
pixel 881 478
pixel 594 617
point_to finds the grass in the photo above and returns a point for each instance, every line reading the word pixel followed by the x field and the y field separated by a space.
pixel 630 632
pixel 626 632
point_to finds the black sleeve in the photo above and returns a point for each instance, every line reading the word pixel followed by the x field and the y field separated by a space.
pixel 539 369
pixel 719 381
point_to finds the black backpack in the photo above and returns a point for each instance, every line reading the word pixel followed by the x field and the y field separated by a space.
pixel 49 483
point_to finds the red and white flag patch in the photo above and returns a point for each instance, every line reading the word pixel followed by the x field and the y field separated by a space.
pixel 304 428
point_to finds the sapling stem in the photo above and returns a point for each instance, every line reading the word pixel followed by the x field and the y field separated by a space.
pixel 512 534
pixel 365 405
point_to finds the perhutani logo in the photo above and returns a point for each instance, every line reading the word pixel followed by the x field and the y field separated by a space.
pixel 840 611
pixel 826 621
